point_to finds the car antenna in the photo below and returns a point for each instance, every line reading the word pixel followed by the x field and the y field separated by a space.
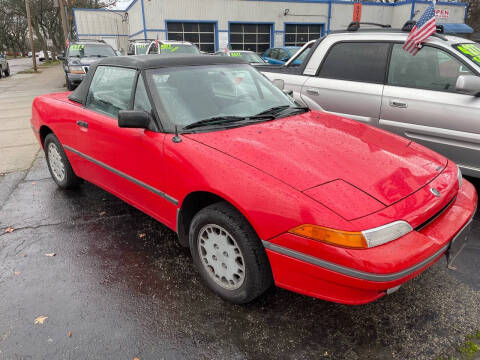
pixel 176 138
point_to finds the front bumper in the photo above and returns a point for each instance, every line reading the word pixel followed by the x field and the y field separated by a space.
pixel 359 276
pixel 75 78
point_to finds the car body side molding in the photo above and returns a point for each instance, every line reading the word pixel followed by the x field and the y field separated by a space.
pixel 125 176
pixel 354 272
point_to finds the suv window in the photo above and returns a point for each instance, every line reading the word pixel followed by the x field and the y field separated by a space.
pixel 267 53
pixel 431 69
pixel 153 49
pixel 356 61
pixel 141 98
pixel 110 90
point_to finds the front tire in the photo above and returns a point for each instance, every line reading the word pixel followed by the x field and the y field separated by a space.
pixel 70 85
pixel 228 254
pixel 7 72
pixel 58 164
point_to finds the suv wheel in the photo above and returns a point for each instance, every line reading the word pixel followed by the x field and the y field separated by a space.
pixel 70 86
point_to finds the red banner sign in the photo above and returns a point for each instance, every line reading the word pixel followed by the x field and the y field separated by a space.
pixel 357 11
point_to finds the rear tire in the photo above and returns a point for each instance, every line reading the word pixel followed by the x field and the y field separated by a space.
pixel 228 254
pixel 58 164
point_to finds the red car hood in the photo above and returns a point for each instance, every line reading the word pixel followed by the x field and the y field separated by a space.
pixel 311 149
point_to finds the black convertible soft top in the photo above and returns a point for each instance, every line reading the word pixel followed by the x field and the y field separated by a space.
pixel 143 62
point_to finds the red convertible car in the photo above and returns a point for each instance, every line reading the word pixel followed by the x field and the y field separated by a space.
pixel 262 191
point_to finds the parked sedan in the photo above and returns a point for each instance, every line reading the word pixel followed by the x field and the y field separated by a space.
pixel 4 66
pixel 261 190
pixel 280 56
pixel 248 56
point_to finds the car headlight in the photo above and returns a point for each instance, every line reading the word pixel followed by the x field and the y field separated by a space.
pixel 361 239
pixel 459 177
pixel 76 70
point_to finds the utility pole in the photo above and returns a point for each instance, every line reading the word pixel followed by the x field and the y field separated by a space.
pixel 30 31
pixel 61 6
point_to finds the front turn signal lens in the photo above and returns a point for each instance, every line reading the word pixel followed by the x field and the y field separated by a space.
pixel 331 236
pixel 360 240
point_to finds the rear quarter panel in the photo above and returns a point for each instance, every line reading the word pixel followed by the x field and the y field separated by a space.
pixel 59 114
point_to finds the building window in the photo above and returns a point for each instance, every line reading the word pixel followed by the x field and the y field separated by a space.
pixel 200 34
pixel 253 37
pixel 299 34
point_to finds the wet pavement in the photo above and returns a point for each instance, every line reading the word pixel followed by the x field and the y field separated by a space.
pixel 121 287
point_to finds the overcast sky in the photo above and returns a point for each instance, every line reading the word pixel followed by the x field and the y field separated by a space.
pixel 121 4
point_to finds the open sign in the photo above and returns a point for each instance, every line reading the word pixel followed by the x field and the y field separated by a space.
pixel 442 13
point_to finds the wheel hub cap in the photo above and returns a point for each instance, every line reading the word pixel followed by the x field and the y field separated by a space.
pixel 221 256
pixel 56 163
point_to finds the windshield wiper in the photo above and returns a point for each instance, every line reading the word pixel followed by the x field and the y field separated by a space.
pixel 217 120
pixel 279 109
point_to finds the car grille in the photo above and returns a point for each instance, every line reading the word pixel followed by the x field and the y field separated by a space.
pixel 430 220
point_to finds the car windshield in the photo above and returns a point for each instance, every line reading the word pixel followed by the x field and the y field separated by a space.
pixel 178 49
pixel 471 51
pixel 247 56
pixel 90 50
pixel 191 94
pixel 293 51
pixel 141 48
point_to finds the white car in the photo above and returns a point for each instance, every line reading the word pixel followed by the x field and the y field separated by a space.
pixel 41 55
pixel 4 67
pixel 171 47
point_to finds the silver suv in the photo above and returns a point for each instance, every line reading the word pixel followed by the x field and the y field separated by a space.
pixel 431 98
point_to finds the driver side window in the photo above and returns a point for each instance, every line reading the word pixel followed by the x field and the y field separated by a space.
pixel 110 90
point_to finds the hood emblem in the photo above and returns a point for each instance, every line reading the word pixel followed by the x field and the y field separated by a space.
pixel 435 192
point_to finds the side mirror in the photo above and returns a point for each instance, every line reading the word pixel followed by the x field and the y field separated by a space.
pixel 469 84
pixel 288 92
pixel 134 119
pixel 279 83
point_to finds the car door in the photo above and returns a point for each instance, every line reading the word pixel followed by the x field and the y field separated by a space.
pixel 125 161
pixel 350 81
pixel 420 101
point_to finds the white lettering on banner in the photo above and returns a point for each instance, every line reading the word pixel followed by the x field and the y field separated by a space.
pixel 442 13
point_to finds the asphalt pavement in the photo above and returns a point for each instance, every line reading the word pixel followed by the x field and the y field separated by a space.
pixel 18 146
pixel 83 275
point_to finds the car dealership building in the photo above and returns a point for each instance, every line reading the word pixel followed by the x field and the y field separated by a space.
pixel 249 24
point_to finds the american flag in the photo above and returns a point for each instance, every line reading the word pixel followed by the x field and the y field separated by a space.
pixel 421 31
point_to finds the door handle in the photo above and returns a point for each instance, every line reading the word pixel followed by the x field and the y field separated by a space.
pixel 313 92
pixel 82 124
pixel 398 104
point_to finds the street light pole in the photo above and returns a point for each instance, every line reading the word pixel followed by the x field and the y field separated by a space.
pixel 61 7
pixel 30 31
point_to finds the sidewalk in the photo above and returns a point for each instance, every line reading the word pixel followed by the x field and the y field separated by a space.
pixel 18 145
